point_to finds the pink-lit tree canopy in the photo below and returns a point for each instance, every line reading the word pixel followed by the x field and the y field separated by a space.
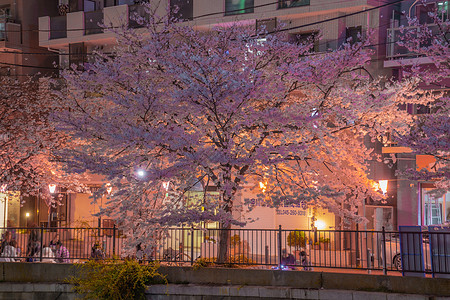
pixel 29 140
pixel 174 106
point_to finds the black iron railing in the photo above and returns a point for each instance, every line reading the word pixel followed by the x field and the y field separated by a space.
pixel 409 252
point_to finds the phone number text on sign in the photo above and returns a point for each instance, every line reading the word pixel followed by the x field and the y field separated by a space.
pixel 291 212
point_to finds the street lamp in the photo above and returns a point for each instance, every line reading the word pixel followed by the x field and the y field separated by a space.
pixel 27 215
pixel 383 186
pixel 52 188
pixel 140 173
pixel 319 224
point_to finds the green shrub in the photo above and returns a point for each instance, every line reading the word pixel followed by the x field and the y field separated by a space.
pixel 202 263
pixel 115 280
pixel 296 239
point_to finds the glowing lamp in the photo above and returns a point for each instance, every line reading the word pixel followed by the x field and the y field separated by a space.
pixel 383 186
pixel 262 186
pixel 319 224
pixel 27 214
pixel 52 188
pixel 141 173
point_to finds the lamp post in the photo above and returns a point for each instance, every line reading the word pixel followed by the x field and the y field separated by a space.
pixel 52 189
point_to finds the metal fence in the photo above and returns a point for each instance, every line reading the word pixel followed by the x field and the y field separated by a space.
pixel 41 244
pixel 409 252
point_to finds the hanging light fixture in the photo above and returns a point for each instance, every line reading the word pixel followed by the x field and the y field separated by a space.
pixel 52 188
pixel 108 188
pixel 383 186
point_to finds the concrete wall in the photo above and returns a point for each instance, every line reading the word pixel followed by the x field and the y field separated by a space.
pixel 33 273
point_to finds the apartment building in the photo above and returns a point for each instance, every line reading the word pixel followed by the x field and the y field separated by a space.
pixel 20 52
pixel 414 204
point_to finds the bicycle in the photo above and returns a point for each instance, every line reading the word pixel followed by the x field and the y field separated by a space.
pixel 174 257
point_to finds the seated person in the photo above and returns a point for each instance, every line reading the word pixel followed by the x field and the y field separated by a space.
pixel 287 259
pixel 62 254
pixel 9 252
pixel 48 255
pixel 96 252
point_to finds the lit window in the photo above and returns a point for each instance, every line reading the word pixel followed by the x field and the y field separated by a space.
pixel 235 7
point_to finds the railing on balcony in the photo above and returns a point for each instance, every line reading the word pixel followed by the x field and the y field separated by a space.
pixel 58 27
pixel 292 3
pixel 92 22
pixel 394 50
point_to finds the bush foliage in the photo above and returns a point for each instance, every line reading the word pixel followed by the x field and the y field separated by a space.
pixel 115 280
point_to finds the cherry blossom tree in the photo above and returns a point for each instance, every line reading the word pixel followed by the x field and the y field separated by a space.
pixel 28 140
pixel 174 106
pixel 430 133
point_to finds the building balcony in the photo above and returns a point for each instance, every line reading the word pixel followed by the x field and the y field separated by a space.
pixel 82 25
pixel 397 55
pixel 10 35
pixel 58 27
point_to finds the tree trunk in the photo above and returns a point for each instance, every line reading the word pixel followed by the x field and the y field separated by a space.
pixel 224 240
pixel 224 235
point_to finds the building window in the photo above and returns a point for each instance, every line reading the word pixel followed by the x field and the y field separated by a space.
pixel 182 10
pixel 292 3
pixel 4 15
pixel 443 10
pixel 353 34
pixel 236 7
pixel 436 210
pixel 422 13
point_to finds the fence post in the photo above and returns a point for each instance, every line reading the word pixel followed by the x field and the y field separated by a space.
pixel 114 241
pixel 383 243
pixel 192 246
pixel 42 239
pixel 279 247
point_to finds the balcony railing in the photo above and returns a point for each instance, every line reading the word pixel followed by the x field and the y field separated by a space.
pixel 394 50
pixel 58 27
pixel 292 3
pixel 92 22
